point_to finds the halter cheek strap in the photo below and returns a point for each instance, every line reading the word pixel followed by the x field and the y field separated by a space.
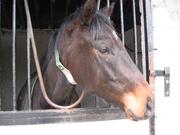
pixel 64 70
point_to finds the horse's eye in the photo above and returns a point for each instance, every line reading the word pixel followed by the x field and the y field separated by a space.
pixel 104 50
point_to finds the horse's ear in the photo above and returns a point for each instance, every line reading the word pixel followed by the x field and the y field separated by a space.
pixel 108 10
pixel 88 11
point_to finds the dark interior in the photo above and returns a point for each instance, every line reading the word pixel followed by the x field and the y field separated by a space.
pixel 50 13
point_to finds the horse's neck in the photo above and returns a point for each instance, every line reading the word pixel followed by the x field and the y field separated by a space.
pixel 56 84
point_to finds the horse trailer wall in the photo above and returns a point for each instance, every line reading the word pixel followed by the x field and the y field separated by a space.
pixel 140 52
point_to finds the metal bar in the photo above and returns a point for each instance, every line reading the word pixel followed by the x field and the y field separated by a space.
pixel 148 21
pixel 159 73
pixel 167 82
pixel 61 116
pixel 143 45
pixel 0 52
pixel 108 3
pixel 14 55
pixel 98 4
pixel 135 32
pixel 149 40
pixel 30 37
pixel 122 20
pixel 149 54
pixel 28 67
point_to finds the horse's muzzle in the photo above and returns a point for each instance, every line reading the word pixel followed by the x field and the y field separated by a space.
pixel 138 103
pixel 148 111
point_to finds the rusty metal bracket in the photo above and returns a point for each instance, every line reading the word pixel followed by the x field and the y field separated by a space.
pixel 166 74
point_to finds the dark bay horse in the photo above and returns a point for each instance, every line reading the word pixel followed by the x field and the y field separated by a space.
pixel 98 61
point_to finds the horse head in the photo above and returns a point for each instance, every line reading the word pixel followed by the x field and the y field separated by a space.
pixel 99 62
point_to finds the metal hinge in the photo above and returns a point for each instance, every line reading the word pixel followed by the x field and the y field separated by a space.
pixel 166 74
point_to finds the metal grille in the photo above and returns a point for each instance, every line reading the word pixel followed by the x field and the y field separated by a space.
pixel 141 53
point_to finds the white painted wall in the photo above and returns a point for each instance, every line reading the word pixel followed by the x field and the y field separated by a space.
pixel 166 32
pixel 116 127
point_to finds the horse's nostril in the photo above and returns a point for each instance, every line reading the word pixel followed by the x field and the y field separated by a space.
pixel 149 108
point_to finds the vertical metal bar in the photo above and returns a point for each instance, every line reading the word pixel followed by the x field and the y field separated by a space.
pixel 108 3
pixel 0 53
pixel 98 4
pixel 149 54
pixel 28 68
pixel 148 40
pixel 135 32
pixel 30 37
pixel 14 55
pixel 122 20
pixel 143 45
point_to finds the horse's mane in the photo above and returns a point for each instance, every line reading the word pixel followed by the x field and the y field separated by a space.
pixel 55 38
pixel 97 29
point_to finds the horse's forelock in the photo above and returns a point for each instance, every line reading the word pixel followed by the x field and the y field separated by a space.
pixel 99 24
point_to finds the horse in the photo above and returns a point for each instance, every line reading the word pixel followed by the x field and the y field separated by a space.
pixel 88 46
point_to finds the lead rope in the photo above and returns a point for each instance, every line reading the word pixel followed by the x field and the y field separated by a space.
pixel 43 90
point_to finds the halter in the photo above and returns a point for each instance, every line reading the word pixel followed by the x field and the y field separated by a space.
pixel 64 70
pixel 69 77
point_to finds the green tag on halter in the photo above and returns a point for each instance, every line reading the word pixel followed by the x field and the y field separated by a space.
pixel 58 63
